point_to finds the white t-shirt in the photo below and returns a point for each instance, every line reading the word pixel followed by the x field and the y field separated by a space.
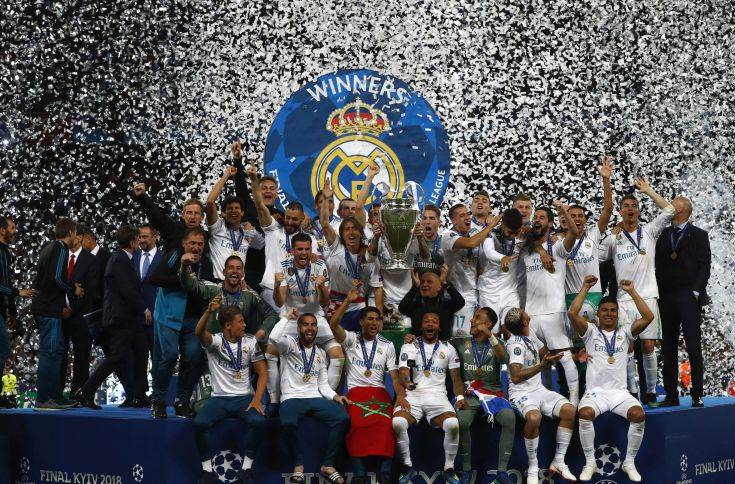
pixel 462 265
pixel 545 290
pixel 383 361
pixel 277 250
pixel 630 264
pixel 396 282
pixel 524 350
pixel 445 358
pixel 294 298
pixel 341 278
pixel 493 283
pixel 222 370
pixel 292 371
pixel 600 373
pixel 586 262
pixel 221 246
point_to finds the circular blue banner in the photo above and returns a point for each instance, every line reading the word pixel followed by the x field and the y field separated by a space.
pixel 331 130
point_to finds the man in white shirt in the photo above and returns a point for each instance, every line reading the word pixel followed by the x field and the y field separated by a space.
pixel 300 287
pixel 607 346
pixel 305 390
pixel 423 394
pixel 480 209
pixel 523 204
pixel 230 356
pixel 370 359
pixel 545 288
pixel 315 225
pixel 229 236
pixel 633 251
pixel 528 357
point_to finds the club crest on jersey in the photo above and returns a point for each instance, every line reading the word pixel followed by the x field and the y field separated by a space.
pixel 517 352
pixel 404 357
pixel 587 244
pixel 333 129
pixel 620 337
pixel 442 355
pixel 290 271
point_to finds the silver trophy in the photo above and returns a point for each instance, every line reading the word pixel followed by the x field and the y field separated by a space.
pixel 399 213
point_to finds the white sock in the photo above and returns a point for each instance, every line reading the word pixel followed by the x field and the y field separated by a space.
pixel 531 446
pixel 635 437
pixel 650 367
pixel 563 437
pixel 400 428
pixel 632 382
pixel 207 465
pixel 334 372
pixel 274 378
pixel 572 376
pixel 247 463
pixel 451 441
pixel 587 438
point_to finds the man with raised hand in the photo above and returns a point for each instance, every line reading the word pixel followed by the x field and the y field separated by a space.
pixel 528 357
pixel 607 344
pixel 370 358
pixel 633 251
pixel 231 354
pixel 425 395
pixel 305 390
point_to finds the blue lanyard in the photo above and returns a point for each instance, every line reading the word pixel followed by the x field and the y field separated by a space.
pixel 675 244
pixel 574 251
pixel 549 246
pixel 530 346
pixel 236 361
pixel 368 360
pixel 307 364
pixel 610 345
pixel 303 284
pixel 505 247
pixel 477 222
pixel 437 244
pixel 427 364
pixel 479 357
pixel 638 237
pixel 353 266
pixel 227 301
pixel 318 226
pixel 236 244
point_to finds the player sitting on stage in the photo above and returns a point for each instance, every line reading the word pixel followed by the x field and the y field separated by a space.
pixel 370 357
pixel 230 355
pixel 528 357
pixel 302 286
pixel 427 395
pixel 481 356
pixel 305 390
pixel 607 389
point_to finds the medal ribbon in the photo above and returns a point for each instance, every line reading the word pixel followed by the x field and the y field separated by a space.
pixel 549 246
pixel 479 357
pixel 236 245
pixel 353 266
pixel 368 361
pixel 236 362
pixel 310 363
pixel 675 244
pixel 477 222
pixel 227 301
pixel 574 251
pixel 505 247
pixel 530 346
pixel 303 283
pixel 427 364
pixel 437 244
pixel 610 345
pixel 638 237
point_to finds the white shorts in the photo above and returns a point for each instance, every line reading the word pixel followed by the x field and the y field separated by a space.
pixel 461 323
pixel 603 400
pixel 542 399
pixel 426 405
pixel 552 330
pixel 501 305
pixel 628 310
pixel 324 337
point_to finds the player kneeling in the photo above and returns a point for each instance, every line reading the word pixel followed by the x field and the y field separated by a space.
pixel 528 356
pixel 426 395
pixel 607 389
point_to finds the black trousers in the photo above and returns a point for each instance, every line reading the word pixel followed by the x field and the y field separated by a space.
pixel 77 334
pixel 122 342
pixel 681 311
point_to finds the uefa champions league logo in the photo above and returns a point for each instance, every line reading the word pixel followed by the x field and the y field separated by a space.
pixel 138 473
pixel 684 462
pixel 226 464
pixel 607 459
pixel 25 465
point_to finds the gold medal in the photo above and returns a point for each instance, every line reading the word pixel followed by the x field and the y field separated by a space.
pixel 368 373
pixel 234 252
pixel 306 377
pixel 238 375
pixel 642 252
pixel 355 282
pixel 611 359
pixel 570 262
pixel 506 268
pixel 674 255
pixel 304 299
pixel 427 373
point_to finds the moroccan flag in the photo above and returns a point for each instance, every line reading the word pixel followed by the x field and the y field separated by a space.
pixel 371 428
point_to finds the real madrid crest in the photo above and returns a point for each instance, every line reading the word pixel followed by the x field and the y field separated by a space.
pixel 442 355
pixel 290 271
pixel 588 244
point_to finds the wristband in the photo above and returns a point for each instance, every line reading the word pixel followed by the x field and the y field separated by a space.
pixel 493 340
pixel 460 397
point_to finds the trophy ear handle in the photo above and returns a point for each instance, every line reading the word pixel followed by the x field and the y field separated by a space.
pixel 415 191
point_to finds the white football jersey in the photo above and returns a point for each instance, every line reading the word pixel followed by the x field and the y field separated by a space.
pixel 396 282
pixel 545 290
pixel 341 277
pixel 586 261
pixel 384 361
pixel 277 248
pixel 292 371
pixel 600 372
pixel 222 244
pixel 221 367
pixel 493 283
pixel 463 265
pixel 524 350
pixel 294 297
pixel 445 359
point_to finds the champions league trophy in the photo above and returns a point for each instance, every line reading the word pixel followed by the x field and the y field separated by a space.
pixel 399 213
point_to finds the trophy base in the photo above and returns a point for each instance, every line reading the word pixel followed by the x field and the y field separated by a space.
pixel 397 265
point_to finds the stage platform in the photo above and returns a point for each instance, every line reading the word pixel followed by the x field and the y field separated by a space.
pixel 118 446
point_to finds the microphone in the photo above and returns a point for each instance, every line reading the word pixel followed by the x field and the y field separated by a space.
pixel 411 365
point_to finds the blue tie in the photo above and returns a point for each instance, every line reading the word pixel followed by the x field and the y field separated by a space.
pixel 146 264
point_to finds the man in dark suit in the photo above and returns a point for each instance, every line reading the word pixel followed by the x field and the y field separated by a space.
pixel 145 260
pixel 123 313
pixel 102 255
pixel 683 259
pixel 82 268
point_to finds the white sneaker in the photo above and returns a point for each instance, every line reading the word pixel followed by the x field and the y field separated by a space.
pixel 532 477
pixel 631 471
pixel 563 470
pixel 587 472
